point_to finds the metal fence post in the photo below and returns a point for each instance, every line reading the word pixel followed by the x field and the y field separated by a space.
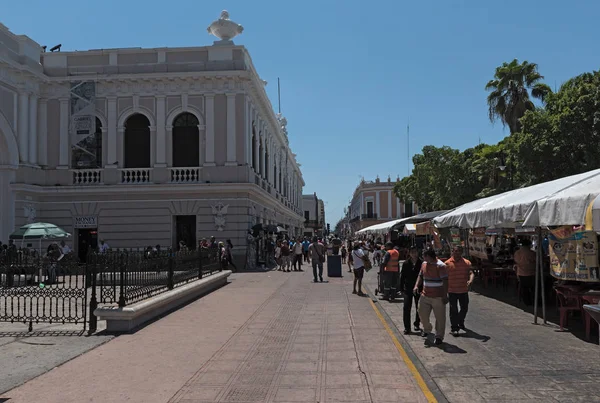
pixel 170 285
pixel 199 263
pixel 94 299
pixel 123 260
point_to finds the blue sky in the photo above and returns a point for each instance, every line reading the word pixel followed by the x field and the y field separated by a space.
pixel 353 73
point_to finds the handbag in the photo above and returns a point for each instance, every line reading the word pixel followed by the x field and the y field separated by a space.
pixel 321 257
pixel 366 262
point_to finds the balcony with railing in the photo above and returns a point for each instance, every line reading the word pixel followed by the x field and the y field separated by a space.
pixel 184 175
pixel 368 216
pixel 135 176
pixel 86 177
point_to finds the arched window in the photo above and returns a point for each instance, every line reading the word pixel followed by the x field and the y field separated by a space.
pixel 87 152
pixel 186 141
pixel 137 142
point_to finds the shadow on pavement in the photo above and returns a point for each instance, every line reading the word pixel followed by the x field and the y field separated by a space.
pixel 45 333
pixel 470 334
pixel 452 349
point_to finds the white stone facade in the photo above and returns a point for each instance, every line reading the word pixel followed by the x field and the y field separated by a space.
pixel 245 172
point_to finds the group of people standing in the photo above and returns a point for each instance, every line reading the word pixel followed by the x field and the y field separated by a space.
pixel 290 254
pixel 426 282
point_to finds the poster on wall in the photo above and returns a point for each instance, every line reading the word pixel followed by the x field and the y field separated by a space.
pixel 574 254
pixel 477 243
pixel 455 237
pixel 83 125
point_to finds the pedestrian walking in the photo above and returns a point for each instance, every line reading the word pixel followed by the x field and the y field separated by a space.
pixel 390 270
pixel 305 246
pixel 460 278
pixel 525 261
pixel 434 297
pixel 286 256
pixel 297 250
pixel 358 257
pixel 408 278
pixel 316 253
pixel 344 253
pixel 229 254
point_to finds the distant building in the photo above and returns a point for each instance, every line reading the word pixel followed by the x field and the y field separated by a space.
pixel 375 202
pixel 314 215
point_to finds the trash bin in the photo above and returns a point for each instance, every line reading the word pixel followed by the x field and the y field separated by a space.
pixel 334 266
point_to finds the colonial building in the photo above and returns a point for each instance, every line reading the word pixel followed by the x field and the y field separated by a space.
pixel 142 146
pixel 314 215
pixel 374 202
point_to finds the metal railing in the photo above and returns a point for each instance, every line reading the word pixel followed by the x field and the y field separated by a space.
pixel 368 216
pixel 87 177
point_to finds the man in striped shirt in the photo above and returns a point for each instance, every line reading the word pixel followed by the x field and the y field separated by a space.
pixel 434 297
pixel 460 278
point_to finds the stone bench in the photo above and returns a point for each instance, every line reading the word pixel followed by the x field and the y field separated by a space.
pixel 132 316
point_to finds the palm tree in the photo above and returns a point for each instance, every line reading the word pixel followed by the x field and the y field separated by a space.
pixel 509 98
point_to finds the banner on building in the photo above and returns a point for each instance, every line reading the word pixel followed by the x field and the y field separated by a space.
pixel 574 254
pixel 83 125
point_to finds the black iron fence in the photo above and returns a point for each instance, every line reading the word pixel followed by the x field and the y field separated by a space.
pixel 38 289
pixel 125 277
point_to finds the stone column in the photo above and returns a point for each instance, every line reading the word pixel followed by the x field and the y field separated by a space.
pixel 161 135
pixel 23 126
pixel 43 133
pixel 210 130
pixel 231 131
pixel 262 155
pixel 33 122
pixel 112 157
pixel 63 153
pixel 248 132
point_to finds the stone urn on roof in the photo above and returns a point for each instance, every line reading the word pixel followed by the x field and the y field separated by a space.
pixel 224 29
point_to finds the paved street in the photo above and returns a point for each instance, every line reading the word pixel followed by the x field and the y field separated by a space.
pixel 506 357
pixel 277 337
pixel 266 337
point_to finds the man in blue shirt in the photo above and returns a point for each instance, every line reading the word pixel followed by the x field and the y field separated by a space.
pixel 305 246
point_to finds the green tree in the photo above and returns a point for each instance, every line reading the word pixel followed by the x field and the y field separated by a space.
pixel 562 138
pixel 510 89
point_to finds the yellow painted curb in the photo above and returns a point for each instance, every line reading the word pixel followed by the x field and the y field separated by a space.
pixel 413 370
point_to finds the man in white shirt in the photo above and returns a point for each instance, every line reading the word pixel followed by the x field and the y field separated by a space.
pixel 64 248
pixel 297 249
pixel 103 248
pixel 358 254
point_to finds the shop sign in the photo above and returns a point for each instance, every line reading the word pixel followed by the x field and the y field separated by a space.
pixel 574 254
pixel 86 221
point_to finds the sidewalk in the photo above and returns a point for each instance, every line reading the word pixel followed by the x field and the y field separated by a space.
pixel 266 337
pixel 505 357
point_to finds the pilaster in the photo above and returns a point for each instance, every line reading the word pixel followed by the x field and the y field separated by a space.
pixel 23 127
pixel 112 158
pixel 43 133
pixel 63 154
pixel 209 100
pixel 231 131
pixel 161 134
pixel 33 117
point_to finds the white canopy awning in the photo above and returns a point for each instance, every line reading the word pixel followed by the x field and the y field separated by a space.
pixel 511 209
pixel 380 228
pixel 566 207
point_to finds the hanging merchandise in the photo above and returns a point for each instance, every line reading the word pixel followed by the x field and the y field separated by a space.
pixel 574 254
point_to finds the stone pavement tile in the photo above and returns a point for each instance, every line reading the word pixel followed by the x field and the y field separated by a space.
pixel 464 397
pixel 303 348
pixel 385 395
pixel 348 394
pixel 311 339
pixel 253 378
pixel 541 395
pixel 295 395
pixel 303 356
pixel 205 393
pixel 346 366
pixel 334 339
pixel 301 366
pixel 215 378
pixel 348 354
pixel 534 383
pixel 343 346
pixel 299 379
pixel 222 365
pixel 494 391
pixel 336 380
pixel 390 380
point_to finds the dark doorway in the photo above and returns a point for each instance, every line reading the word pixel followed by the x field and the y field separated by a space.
pixel 185 230
pixel 186 141
pixel 137 142
pixel 86 239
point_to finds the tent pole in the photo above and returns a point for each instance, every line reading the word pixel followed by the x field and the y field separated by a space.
pixel 537 283
pixel 542 282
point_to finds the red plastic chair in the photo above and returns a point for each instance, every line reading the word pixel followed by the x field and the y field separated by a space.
pixel 567 303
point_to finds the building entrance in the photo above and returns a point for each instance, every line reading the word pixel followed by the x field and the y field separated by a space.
pixel 87 238
pixel 185 230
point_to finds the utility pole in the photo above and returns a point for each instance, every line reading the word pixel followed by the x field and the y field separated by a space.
pixel 408 148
